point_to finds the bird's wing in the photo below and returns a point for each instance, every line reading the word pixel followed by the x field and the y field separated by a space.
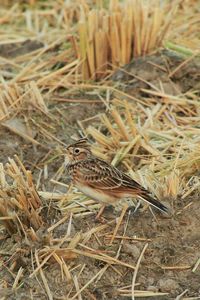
pixel 101 175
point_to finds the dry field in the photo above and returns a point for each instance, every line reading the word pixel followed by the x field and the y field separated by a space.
pixel 128 77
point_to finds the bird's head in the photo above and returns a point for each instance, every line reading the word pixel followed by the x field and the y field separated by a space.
pixel 80 150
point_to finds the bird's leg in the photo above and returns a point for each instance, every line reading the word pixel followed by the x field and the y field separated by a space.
pixel 100 212
pixel 137 206
pixel 134 209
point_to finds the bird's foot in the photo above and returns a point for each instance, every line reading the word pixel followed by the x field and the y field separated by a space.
pixel 135 209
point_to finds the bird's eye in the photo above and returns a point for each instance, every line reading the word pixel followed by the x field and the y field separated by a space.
pixel 76 150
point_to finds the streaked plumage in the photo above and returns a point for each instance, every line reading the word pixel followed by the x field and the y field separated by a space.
pixel 101 181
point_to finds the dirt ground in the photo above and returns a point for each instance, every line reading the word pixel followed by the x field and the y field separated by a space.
pixel 173 249
pixel 171 241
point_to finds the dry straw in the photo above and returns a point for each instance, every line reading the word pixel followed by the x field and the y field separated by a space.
pixel 13 97
pixel 114 36
pixel 157 136
pixel 19 201
pixel 154 141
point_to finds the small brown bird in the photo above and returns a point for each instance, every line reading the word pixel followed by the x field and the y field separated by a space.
pixel 101 181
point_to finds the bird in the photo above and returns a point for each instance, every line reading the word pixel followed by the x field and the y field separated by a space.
pixel 101 181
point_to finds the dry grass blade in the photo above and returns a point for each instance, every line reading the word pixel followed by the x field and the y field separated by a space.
pixel 77 288
pixel 58 223
pixel 43 278
pixel 39 266
pixel 105 258
pixel 176 267
pixel 19 275
pixel 86 285
pixel 179 297
pixel 196 265
pixel 129 238
pixel 142 294
pixel 120 219
pixel 5 219
pixel 136 270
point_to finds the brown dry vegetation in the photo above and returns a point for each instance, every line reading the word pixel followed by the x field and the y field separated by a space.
pixel 143 117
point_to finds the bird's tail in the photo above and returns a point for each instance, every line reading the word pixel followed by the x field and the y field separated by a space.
pixel 146 196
